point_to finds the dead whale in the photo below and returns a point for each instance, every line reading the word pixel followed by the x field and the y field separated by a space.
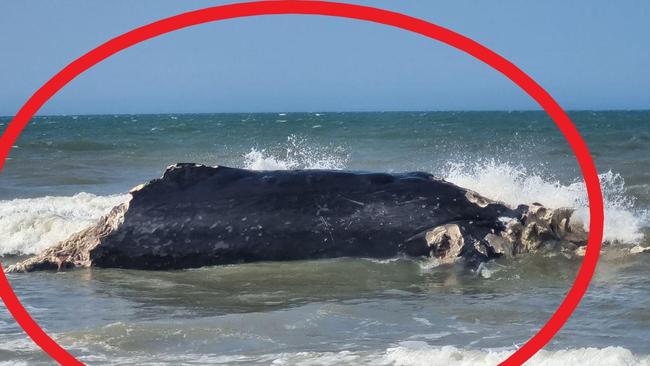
pixel 197 215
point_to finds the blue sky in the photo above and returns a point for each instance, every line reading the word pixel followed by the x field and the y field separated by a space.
pixel 588 54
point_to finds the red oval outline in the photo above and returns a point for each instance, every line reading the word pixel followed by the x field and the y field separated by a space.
pixel 341 10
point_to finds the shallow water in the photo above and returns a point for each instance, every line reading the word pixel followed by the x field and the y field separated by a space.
pixel 344 311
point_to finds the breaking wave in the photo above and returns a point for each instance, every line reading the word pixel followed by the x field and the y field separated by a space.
pixel 27 226
pixel 515 185
pixel 406 353
pixel 412 353
pixel 420 353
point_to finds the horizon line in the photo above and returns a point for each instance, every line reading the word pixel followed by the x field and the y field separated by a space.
pixel 334 111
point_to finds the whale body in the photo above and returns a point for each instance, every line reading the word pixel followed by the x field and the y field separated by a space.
pixel 197 215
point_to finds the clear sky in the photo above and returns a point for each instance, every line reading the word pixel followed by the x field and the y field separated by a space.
pixel 589 54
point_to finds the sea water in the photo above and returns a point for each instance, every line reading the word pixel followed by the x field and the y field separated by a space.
pixel 67 171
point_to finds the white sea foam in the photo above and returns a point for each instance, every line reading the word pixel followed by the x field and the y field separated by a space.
pixel 409 353
pixel 415 353
pixel 406 353
pixel 516 185
pixel 27 226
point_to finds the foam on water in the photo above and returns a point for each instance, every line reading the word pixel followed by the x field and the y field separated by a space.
pixel 412 353
pixel 515 185
pixel 420 353
pixel 27 226
pixel 405 353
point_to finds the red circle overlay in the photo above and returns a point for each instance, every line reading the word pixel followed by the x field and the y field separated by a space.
pixel 342 10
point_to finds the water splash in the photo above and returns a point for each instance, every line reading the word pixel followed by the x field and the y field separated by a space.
pixel 516 184
pixel 27 226
pixel 297 153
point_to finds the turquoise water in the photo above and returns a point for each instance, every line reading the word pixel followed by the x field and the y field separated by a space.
pixel 67 171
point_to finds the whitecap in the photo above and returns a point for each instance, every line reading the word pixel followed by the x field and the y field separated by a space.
pixel 514 185
pixel 27 226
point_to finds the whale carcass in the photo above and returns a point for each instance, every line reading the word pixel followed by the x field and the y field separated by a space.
pixel 197 215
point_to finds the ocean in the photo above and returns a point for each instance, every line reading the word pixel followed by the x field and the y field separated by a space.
pixel 67 171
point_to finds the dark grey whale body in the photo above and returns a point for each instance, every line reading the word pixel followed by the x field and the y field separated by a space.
pixel 197 215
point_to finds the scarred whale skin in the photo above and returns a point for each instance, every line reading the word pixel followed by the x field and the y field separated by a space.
pixel 197 215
